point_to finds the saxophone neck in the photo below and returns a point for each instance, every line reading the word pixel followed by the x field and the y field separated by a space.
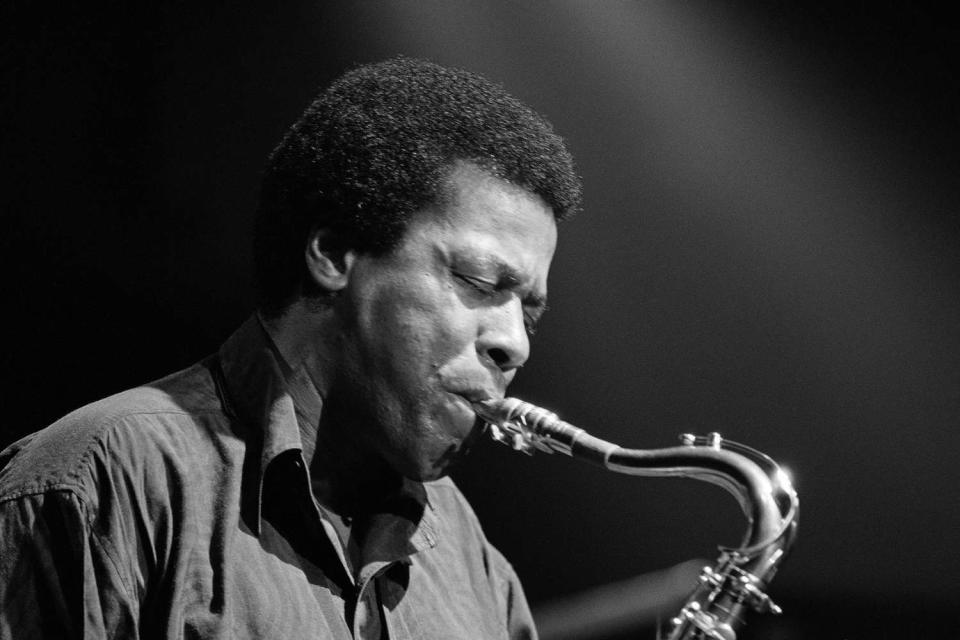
pixel 764 490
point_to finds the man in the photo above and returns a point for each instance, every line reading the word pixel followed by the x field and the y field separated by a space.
pixel 292 485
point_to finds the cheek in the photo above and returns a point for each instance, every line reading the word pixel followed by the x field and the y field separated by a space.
pixel 416 330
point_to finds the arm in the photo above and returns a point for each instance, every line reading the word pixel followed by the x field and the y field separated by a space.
pixel 58 577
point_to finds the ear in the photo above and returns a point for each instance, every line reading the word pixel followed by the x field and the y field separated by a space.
pixel 328 260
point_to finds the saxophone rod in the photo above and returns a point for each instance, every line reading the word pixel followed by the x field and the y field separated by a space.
pixel 527 427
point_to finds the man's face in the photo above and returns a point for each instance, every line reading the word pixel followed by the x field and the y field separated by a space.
pixel 443 320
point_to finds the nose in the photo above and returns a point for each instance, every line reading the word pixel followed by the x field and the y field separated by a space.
pixel 503 336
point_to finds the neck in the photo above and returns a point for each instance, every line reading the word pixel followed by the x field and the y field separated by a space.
pixel 346 475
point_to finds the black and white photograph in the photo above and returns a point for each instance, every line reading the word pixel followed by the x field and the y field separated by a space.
pixel 455 320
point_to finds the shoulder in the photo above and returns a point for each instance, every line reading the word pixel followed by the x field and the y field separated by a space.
pixel 458 518
pixel 446 499
pixel 473 549
pixel 121 434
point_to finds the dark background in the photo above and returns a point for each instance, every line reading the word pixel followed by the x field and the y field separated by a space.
pixel 767 249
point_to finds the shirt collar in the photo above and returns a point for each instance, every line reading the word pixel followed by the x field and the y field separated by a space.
pixel 257 395
pixel 406 525
pixel 268 399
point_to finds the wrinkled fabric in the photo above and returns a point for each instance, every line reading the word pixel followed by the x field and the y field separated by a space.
pixel 183 509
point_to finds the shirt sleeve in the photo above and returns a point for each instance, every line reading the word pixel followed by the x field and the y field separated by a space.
pixel 58 578
pixel 520 623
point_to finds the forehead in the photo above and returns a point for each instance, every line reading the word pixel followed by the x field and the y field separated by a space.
pixel 479 211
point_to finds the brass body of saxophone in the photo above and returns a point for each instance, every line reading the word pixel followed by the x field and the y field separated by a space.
pixel 738 580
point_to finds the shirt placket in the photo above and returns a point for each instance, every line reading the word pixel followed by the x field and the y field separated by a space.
pixel 323 595
pixel 368 623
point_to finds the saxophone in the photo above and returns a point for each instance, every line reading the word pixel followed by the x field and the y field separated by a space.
pixel 738 581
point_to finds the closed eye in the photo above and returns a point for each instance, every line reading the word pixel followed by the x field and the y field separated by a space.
pixel 487 289
pixel 480 285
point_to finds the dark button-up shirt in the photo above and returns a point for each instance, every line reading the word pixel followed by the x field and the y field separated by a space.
pixel 183 509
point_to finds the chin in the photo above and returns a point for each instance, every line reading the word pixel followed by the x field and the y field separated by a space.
pixel 454 455
pixel 437 465
pixel 431 474
pixel 444 452
pixel 425 472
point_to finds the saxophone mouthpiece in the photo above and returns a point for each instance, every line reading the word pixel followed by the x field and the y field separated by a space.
pixel 502 428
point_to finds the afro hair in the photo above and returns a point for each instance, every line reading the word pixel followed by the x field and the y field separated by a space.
pixel 377 145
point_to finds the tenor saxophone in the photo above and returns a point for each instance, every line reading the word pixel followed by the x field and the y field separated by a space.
pixel 738 581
